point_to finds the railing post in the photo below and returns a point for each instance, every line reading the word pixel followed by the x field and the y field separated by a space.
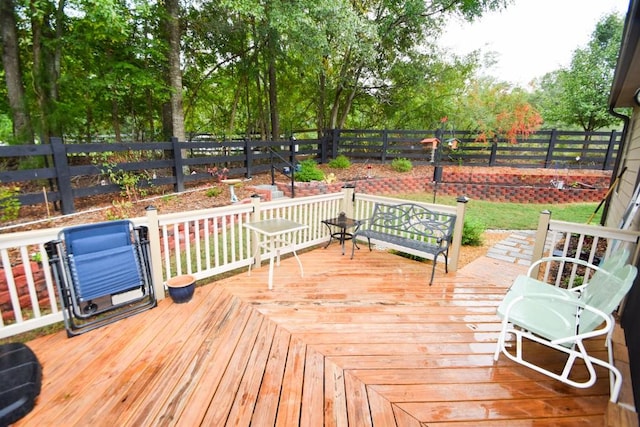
pixel 541 238
pixel 292 149
pixel 348 191
pixel 255 216
pixel 63 175
pixel 461 207
pixel 178 165
pixel 156 253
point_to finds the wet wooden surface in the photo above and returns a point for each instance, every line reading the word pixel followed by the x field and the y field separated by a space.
pixel 362 342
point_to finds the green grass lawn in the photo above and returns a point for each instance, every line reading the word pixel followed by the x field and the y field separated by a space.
pixel 515 216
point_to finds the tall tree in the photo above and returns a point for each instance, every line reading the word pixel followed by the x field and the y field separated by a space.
pixel 495 110
pixel 578 95
pixel 174 69
pixel 22 130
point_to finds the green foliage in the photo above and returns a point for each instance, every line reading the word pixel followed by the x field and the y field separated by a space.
pixel 129 181
pixel 309 171
pixel 213 192
pixel 9 203
pixel 340 162
pixel 578 95
pixel 119 210
pixel 36 257
pixel 472 232
pixel 328 64
pixel 495 110
pixel 401 165
pixel 6 129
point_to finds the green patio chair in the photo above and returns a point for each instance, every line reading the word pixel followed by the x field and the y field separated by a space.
pixel 563 319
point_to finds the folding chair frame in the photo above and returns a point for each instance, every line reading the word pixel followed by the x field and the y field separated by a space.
pixel 82 315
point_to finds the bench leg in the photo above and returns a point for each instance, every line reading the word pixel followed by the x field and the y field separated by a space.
pixel 433 270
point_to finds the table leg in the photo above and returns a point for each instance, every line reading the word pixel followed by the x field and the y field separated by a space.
pixel 330 235
pixel 272 247
pixel 255 257
pixel 293 249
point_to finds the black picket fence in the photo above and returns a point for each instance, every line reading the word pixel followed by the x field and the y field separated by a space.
pixel 67 172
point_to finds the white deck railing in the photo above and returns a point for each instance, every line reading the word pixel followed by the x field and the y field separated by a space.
pixel 586 242
pixel 204 243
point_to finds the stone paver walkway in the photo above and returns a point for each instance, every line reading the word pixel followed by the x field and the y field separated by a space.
pixel 517 248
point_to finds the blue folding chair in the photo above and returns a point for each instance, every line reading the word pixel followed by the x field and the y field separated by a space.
pixel 103 273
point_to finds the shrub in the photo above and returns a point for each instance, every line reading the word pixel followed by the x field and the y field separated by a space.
pixel 472 232
pixel 340 162
pixel 9 203
pixel 129 181
pixel 401 165
pixel 213 192
pixel 309 172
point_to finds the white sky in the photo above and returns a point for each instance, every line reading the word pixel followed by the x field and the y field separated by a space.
pixel 531 37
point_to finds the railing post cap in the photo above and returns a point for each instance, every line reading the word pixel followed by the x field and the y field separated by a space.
pixel 462 199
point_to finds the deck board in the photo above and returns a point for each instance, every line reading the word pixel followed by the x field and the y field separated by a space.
pixel 362 342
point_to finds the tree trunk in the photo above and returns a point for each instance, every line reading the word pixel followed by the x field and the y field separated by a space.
pixel 349 102
pixel 273 88
pixel 322 98
pixel 175 73
pixel 46 63
pixel 22 130
pixel 115 120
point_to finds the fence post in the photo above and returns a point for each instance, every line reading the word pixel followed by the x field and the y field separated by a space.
pixel 494 153
pixel 248 155
pixel 610 150
pixel 553 137
pixel 156 253
pixel 324 145
pixel 541 237
pixel 335 137
pixel 63 175
pixel 385 146
pixel 292 149
pixel 178 165
pixel 456 244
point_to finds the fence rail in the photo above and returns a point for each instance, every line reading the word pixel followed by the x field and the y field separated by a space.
pixel 67 172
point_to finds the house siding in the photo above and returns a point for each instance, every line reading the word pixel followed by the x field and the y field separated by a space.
pixel 625 190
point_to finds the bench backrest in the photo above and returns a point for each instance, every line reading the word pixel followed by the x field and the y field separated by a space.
pixel 412 221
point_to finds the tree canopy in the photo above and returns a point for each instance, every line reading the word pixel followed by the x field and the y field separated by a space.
pixel 133 69
pixel 145 70
pixel 578 95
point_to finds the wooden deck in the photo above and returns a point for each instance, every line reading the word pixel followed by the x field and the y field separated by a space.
pixel 357 342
